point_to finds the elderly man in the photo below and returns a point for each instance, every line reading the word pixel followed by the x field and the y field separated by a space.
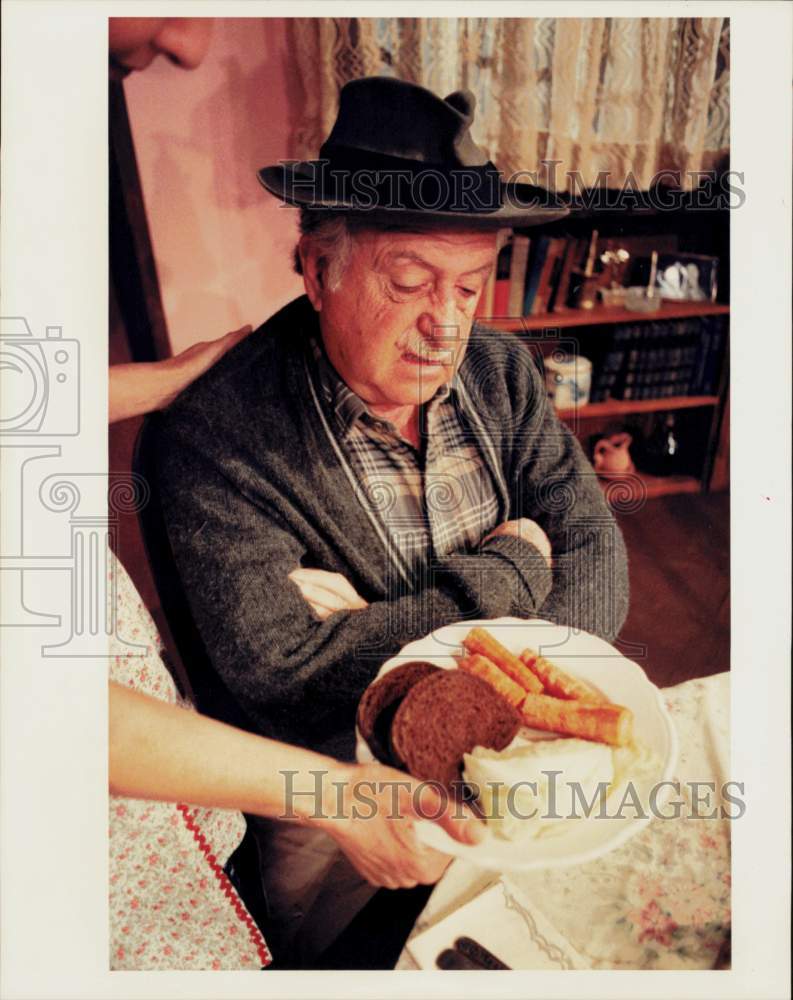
pixel 366 466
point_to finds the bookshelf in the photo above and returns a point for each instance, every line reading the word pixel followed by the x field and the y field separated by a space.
pixel 657 486
pixel 628 490
pixel 601 316
pixel 616 407
pixel 649 370
pixel 601 418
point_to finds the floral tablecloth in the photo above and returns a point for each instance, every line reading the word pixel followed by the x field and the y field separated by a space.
pixel 662 901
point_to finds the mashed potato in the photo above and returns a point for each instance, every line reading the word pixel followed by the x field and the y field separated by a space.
pixel 534 788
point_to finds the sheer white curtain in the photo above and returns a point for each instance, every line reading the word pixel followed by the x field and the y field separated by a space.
pixel 622 95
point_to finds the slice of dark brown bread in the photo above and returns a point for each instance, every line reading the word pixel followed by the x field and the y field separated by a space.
pixel 445 716
pixel 380 701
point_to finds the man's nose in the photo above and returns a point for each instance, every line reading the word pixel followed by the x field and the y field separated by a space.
pixel 440 321
pixel 185 40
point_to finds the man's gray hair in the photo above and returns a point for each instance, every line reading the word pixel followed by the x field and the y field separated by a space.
pixel 332 234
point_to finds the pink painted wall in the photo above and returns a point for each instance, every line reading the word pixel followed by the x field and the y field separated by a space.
pixel 222 244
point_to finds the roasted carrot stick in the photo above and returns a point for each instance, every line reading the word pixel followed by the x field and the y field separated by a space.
pixel 497 679
pixel 556 682
pixel 604 723
pixel 481 642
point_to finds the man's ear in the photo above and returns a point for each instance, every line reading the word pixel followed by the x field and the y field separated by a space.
pixel 312 266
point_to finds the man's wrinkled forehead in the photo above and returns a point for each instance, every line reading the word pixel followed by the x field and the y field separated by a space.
pixel 405 258
pixel 466 252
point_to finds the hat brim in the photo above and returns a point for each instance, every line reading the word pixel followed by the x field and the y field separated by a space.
pixel 520 204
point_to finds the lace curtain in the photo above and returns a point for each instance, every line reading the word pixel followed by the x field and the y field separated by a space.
pixel 630 96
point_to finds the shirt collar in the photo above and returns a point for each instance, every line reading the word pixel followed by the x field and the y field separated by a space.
pixel 347 407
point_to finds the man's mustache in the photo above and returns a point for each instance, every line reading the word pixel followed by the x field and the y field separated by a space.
pixel 443 349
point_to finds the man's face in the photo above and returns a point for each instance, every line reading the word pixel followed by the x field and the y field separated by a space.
pixel 134 42
pixel 397 327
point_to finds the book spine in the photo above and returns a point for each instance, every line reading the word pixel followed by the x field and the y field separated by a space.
pixel 664 354
pixel 668 360
pixel 544 285
pixel 556 275
pixel 501 286
pixel 536 261
pixel 688 359
pixel 617 383
pixel 610 375
pixel 572 256
pixel 702 351
pixel 517 274
pixel 627 387
pixel 606 371
pixel 714 360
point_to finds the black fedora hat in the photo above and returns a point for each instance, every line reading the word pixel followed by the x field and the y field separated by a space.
pixel 400 150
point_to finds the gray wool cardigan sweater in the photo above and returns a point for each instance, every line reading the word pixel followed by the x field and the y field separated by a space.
pixel 252 484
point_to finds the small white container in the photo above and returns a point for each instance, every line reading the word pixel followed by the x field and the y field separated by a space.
pixel 568 379
pixel 638 299
pixel 611 297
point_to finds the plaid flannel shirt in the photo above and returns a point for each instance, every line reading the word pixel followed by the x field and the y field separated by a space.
pixel 432 501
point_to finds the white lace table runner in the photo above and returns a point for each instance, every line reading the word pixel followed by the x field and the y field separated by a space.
pixel 660 902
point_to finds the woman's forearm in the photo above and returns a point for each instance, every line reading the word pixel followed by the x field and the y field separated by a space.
pixel 138 388
pixel 144 386
pixel 160 751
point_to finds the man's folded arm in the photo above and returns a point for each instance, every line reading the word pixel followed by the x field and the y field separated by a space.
pixel 555 485
pixel 274 654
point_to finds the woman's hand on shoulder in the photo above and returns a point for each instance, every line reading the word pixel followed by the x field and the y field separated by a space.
pixel 141 387
pixel 195 360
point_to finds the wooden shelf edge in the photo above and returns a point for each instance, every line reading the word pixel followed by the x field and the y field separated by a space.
pixel 616 407
pixel 627 493
pixel 602 316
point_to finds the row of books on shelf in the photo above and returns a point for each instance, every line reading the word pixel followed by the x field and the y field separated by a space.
pixel 532 276
pixel 655 360
pixel 543 274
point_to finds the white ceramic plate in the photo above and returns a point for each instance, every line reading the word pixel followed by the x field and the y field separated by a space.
pixel 621 680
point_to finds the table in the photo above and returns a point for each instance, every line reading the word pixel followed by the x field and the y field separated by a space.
pixel 662 901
